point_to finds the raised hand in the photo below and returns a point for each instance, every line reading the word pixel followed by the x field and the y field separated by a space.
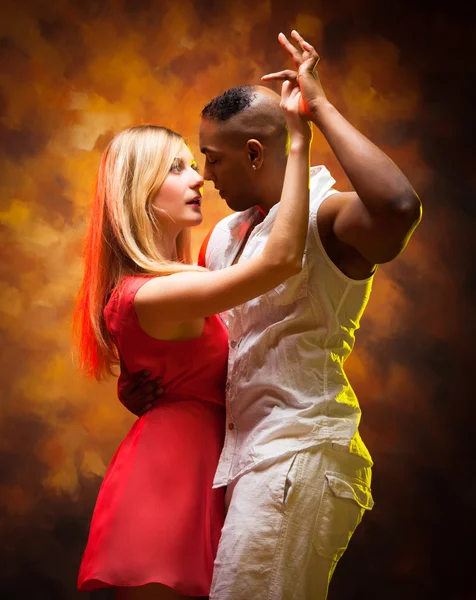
pixel 299 128
pixel 305 58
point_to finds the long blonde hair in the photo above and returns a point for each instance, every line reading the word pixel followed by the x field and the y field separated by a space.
pixel 121 236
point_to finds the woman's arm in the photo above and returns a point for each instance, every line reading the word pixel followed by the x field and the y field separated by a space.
pixel 185 296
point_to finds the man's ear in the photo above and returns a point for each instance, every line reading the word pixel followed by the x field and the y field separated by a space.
pixel 255 153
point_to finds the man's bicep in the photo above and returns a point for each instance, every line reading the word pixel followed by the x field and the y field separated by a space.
pixel 378 238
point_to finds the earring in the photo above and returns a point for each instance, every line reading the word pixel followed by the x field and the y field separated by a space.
pixel 253 167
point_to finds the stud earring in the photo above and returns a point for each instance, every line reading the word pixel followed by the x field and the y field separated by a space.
pixel 253 167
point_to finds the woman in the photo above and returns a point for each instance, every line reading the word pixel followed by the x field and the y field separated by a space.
pixel 157 520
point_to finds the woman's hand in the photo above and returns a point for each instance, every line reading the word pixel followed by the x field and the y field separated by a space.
pixel 311 93
pixel 300 130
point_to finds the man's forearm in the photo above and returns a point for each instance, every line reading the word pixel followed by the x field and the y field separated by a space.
pixel 378 182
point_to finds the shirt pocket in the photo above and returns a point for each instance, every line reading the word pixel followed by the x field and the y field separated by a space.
pixel 343 503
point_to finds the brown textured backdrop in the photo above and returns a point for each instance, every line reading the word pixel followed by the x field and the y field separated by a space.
pixel 75 72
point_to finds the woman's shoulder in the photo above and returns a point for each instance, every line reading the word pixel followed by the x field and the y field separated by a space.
pixel 122 296
pixel 131 283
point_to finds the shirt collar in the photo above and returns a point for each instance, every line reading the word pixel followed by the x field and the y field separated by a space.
pixel 238 219
pixel 251 214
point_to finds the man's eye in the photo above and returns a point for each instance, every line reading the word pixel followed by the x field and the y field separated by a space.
pixel 211 162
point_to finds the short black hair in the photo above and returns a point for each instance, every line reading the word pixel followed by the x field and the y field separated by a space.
pixel 230 103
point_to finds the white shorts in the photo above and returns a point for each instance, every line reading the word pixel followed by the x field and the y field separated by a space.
pixel 288 523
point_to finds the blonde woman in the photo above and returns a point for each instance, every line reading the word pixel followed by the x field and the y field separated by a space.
pixel 157 520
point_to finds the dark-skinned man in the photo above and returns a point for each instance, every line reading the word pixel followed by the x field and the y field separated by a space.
pixel 296 470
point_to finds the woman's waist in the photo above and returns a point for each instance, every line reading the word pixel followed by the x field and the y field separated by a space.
pixel 171 395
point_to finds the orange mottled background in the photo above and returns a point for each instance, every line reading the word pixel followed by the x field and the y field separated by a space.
pixel 75 72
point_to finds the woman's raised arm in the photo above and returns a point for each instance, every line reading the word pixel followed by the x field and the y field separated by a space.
pixel 191 295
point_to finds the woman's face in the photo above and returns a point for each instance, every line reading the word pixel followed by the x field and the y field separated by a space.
pixel 178 202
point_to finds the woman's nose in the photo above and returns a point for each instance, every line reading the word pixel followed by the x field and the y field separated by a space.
pixel 198 181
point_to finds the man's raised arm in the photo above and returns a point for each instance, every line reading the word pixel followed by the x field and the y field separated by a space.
pixel 378 218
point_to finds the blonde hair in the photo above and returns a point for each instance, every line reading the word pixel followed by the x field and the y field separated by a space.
pixel 121 236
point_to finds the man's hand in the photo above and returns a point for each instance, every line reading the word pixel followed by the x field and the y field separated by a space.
pixel 378 218
pixel 305 58
pixel 139 393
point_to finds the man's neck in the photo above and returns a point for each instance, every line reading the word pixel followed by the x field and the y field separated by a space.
pixel 266 204
pixel 273 190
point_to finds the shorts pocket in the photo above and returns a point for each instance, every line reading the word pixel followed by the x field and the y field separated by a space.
pixel 343 503
pixel 292 476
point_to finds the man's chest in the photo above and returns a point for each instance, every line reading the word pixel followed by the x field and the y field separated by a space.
pixel 239 246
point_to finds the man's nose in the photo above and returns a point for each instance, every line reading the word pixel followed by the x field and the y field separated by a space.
pixel 207 174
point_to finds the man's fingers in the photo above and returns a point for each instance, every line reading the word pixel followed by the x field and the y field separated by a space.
pixel 149 387
pixel 136 379
pixel 150 400
pixel 146 408
pixel 153 395
pixel 281 76
pixel 143 384
pixel 145 403
pixel 140 375
pixel 290 49
pixel 306 47
pixel 306 56
pixel 139 395
pixel 299 39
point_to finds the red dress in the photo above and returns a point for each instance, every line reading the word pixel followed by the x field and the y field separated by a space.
pixel 157 518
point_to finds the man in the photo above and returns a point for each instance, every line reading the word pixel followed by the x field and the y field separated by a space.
pixel 296 470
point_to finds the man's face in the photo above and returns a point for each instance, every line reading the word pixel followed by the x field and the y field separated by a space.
pixel 227 165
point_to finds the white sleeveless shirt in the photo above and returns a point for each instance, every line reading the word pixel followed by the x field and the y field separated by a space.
pixel 286 388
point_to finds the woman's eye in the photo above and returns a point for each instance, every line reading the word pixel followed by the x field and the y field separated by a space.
pixel 176 166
